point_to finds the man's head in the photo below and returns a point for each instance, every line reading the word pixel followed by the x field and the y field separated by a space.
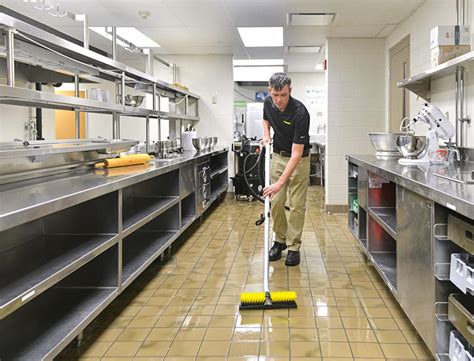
pixel 279 87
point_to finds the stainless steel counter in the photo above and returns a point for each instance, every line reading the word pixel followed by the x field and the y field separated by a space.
pixel 22 202
pixel 421 179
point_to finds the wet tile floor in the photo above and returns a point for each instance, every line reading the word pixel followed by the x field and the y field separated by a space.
pixel 187 307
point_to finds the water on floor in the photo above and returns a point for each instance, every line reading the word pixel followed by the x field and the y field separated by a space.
pixel 188 307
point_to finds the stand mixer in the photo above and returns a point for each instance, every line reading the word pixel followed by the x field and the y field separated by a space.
pixel 417 149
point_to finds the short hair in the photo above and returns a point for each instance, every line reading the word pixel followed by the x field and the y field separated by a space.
pixel 279 80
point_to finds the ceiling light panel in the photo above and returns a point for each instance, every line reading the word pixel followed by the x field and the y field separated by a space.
pixel 130 34
pixel 257 62
pixel 310 19
pixel 261 36
pixel 102 31
pixel 304 49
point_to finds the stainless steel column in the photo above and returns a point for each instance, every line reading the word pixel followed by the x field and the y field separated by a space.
pixel 114 43
pixel 147 140
pixel 77 114
pixel 149 62
pixel 10 50
pixel 122 88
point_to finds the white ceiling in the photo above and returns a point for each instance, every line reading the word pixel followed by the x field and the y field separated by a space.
pixel 210 26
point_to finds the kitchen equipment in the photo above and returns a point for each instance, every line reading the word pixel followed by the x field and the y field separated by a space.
pixel 187 140
pixel 204 185
pixel 412 147
pixel 134 100
pixel 199 143
pixel 214 142
pixel 385 145
pixel 208 143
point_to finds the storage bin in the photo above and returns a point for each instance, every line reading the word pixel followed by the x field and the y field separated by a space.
pixel 461 315
pixel 461 272
pixel 461 233
pixel 457 350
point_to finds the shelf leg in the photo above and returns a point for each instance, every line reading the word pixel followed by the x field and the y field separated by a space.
pixel 147 134
pixel 79 339
pixel 77 114
pixel 10 50
pixel 114 43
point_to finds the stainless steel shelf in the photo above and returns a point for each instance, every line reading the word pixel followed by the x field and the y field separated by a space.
pixel 420 84
pixel 51 322
pixel 106 66
pixel 50 259
pixel 218 171
pixel 35 98
pixel 215 194
pixel 385 217
pixel 144 209
pixel 386 264
pixel 140 249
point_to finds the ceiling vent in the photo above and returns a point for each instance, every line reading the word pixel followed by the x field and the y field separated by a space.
pixel 310 19
pixel 304 49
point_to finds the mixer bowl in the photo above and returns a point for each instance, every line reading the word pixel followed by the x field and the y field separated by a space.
pixel 199 143
pixel 208 142
pixel 214 142
pixel 411 146
pixel 385 144
pixel 134 100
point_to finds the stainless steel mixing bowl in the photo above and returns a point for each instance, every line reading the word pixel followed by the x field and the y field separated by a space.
pixel 208 142
pixel 411 146
pixel 385 144
pixel 199 143
pixel 134 100
pixel 214 142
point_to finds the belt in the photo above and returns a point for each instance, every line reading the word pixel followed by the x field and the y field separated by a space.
pixel 288 154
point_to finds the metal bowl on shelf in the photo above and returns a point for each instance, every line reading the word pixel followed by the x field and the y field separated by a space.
pixel 199 143
pixel 134 100
pixel 214 142
pixel 208 142
pixel 385 144
pixel 411 146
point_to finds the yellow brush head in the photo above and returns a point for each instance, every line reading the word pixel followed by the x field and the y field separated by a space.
pixel 259 297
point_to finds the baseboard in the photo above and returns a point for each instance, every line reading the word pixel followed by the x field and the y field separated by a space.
pixel 336 208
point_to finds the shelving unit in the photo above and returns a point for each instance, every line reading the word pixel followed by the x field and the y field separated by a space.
pixel 219 176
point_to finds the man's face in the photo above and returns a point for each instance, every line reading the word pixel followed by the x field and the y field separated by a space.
pixel 280 97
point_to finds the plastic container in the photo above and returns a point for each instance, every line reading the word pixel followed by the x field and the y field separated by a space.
pixel 457 350
pixel 462 272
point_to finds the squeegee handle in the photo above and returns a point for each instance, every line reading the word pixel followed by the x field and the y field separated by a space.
pixel 267 222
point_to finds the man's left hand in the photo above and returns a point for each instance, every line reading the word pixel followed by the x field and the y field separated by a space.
pixel 272 190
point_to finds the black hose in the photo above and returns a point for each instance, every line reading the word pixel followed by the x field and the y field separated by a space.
pixel 259 161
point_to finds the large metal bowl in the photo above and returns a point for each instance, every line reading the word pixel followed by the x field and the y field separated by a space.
pixel 411 146
pixel 385 144
pixel 134 100
pixel 199 143
pixel 214 142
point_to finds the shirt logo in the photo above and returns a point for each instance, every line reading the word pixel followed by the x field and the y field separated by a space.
pixel 287 122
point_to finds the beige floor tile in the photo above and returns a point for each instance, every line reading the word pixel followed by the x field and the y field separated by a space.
pixel 366 350
pixel 359 335
pixel 222 321
pixel 162 334
pixel 244 349
pixel 218 334
pixel 184 348
pixel 134 334
pixel 383 324
pixel 335 349
pixel 303 334
pixel 153 348
pixel 398 351
pixel 355 322
pixel 275 334
pixel 190 334
pixel 95 349
pixel 246 334
pixel 169 321
pixel 390 336
pixel 271 348
pixel 107 334
pixel 196 321
pixel 412 336
pixel 404 324
pixel 214 348
pixel 123 349
pixel 332 335
pixel 305 349
pixel 421 352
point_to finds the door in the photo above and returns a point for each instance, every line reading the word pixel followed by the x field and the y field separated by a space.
pixel 399 97
pixel 65 120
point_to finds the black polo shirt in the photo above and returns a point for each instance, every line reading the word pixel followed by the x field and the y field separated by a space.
pixel 290 126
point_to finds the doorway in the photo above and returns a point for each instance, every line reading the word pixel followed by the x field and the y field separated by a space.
pixel 399 69
pixel 65 120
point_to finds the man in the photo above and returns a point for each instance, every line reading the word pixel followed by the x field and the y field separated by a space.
pixel 289 120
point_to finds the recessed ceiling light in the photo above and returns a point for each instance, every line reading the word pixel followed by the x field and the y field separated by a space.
pixel 304 49
pixel 261 36
pixel 257 62
pixel 256 73
pixel 310 19
pixel 130 34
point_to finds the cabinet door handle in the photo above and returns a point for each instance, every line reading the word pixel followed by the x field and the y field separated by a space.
pixel 468 234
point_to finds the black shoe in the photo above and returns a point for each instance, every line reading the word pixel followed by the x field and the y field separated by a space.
pixel 293 258
pixel 275 251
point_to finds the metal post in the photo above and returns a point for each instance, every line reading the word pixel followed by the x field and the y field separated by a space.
pixel 122 88
pixel 147 140
pixel 10 49
pixel 117 132
pixel 159 129
pixel 85 29
pixel 77 114
pixel 154 96
pixel 461 12
pixel 149 62
pixel 114 125
pixel 175 75
pixel 114 43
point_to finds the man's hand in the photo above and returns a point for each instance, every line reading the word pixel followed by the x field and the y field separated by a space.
pixel 272 190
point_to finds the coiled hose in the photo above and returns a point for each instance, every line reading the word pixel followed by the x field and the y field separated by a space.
pixel 261 170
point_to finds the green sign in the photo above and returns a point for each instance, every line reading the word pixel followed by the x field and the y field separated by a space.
pixel 240 104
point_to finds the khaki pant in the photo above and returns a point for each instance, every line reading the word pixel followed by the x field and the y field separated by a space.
pixel 289 229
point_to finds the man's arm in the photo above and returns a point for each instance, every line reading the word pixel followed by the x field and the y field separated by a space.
pixel 296 155
pixel 266 132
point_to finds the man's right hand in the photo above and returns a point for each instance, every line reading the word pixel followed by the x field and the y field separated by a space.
pixel 266 139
